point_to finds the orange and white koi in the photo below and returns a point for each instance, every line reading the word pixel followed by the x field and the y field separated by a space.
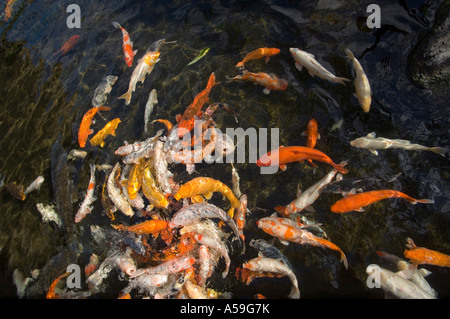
pixel 312 133
pixel 68 45
pixel 308 197
pixel 362 85
pixel 284 155
pixel 204 187
pixel 263 264
pixel 114 193
pixel 356 202
pixel 286 231
pixel 8 10
pixel 108 129
pixel 270 82
pixel 145 66
pixel 84 131
pixel 186 121
pixel 86 205
pixel 172 266
pixel 239 218
pixel 206 266
pixel 258 54
pixel 425 256
pixel 127 45
pixel 183 246
pixel 213 243
pixel 305 59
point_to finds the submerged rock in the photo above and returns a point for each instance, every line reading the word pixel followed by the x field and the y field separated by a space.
pixel 429 61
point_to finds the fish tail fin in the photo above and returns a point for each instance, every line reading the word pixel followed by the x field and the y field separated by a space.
pixel 349 54
pixel 116 25
pixel 281 210
pixel 228 79
pixel 295 293
pixel 341 80
pixel 439 150
pixel 423 201
pixel 328 244
pixel 240 64
pixel 212 80
pixel 126 97
pixel 340 167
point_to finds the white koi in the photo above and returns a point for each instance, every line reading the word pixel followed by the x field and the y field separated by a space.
pixel 172 266
pixel 35 185
pixel 308 197
pixel 102 91
pixel 152 100
pixel 362 85
pixel 86 205
pixel 217 245
pixel 373 143
pixel 263 264
pixel 118 199
pixel 48 213
pixel 305 59
pixel 160 167
pixel 206 264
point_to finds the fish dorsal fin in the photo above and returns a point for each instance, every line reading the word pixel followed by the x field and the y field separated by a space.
pixel 284 242
pixel 372 135
pixel 351 192
pixel 275 214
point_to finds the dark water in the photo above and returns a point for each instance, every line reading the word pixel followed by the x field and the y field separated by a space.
pixel 44 99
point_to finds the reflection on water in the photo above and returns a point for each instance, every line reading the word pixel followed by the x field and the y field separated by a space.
pixel 45 97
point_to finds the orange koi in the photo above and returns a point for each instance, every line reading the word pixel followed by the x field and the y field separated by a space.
pixel 288 230
pixel 258 54
pixel 206 186
pixel 312 133
pixel 127 45
pixel 425 256
pixel 51 290
pixel 151 190
pixel 134 181
pixel 108 129
pixel 68 45
pixel 284 155
pixel 151 226
pixel 184 246
pixel 186 121
pixel 84 131
pixel 356 202
pixel 270 82
pixel 8 10
pixel 167 123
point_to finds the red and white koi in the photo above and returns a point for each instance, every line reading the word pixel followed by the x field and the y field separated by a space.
pixel 206 266
pixel 263 264
pixel 172 266
pixel 86 205
pixel 127 45
pixel 308 197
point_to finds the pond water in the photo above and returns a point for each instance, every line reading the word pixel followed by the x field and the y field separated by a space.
pixel 44 98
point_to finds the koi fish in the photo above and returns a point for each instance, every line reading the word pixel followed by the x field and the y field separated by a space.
pixel 199 56
pixel 145 66
pixel 235 181
pixel 425 256
pixel 186 121
pixel 160 167
pixel 204 187
pixel 356 202
pixel 152 100
pixel 214 243
pixel 286 231
pixel 183 246
pixel 284 155
pixel 86 205
pixel 305 59
pixel 84 131
pixel 127 45
pixel 108 129
pixel 312 133
pixel 362 85
pixel 48 213
pixel 172 266
pixel 167 123
pixel 373 143
pixel 258 54
pixel 270 251
pixel 239 218
pixel 206 266
pixel 308 197
pixel 102 90
pixel 8 10
pixel 195 291
pixel 394 284
pixel 68 45
pixel 118 199
pixel 263 264
pixel 134 181
pixel 51 294
pixel 270 82
pixel 151 190
pixel 35 185
pixel 151 226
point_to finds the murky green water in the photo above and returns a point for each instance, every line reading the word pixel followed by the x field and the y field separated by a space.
pixel 44 99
